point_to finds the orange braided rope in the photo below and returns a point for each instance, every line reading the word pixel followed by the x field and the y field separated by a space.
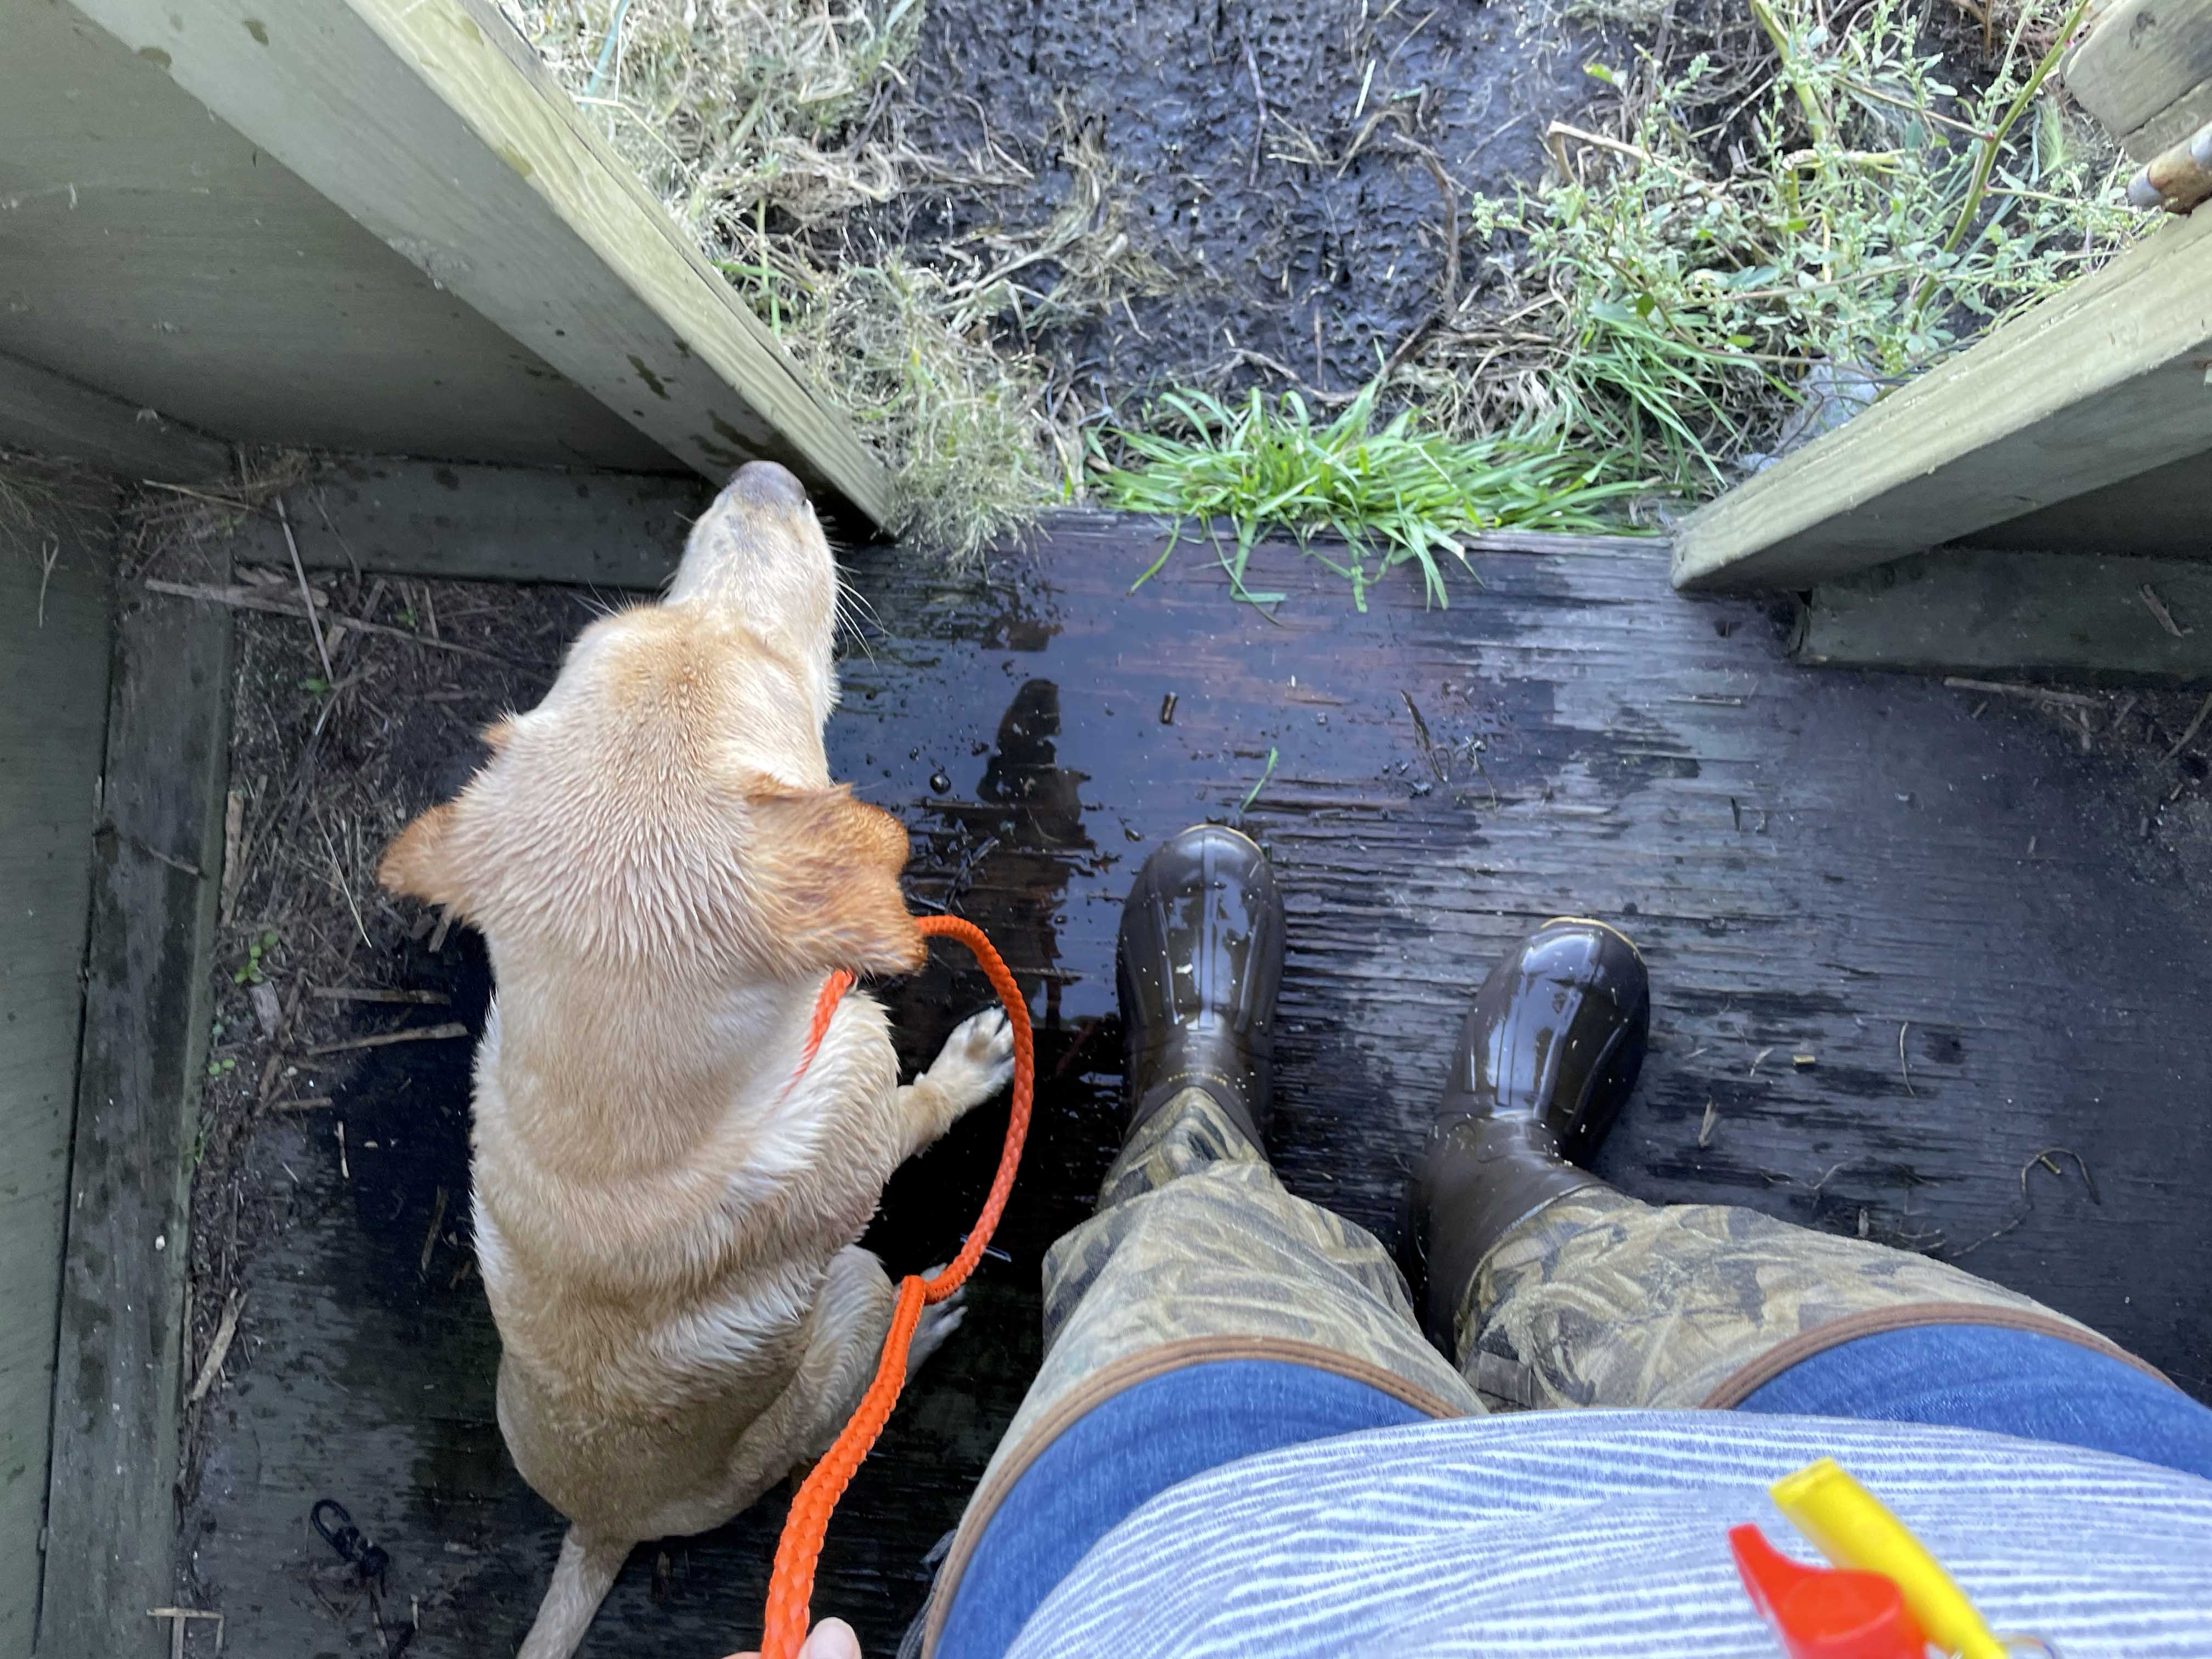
pixel 790 1585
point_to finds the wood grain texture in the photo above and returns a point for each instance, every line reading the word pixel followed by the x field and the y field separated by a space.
pixel 45 414
pixel 158 255
pixel 522 524
pixel 2163 514
pixel 111 1510
pixel 1820 863
pixel 2145 71
pixel 53 710
pixel 2046 616
pixel 416 118
pixel 486 523
pixel 2102 382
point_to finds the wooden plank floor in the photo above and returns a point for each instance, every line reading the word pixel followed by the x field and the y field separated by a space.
pixel 1935 895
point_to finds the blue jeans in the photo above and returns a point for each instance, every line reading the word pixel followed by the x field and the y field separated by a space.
pixel 2015 1382
pixel 1163 1431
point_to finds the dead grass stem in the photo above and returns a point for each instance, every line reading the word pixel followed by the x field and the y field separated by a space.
pixel 765 124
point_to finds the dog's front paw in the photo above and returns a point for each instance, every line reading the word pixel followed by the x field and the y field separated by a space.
pixel 976 1061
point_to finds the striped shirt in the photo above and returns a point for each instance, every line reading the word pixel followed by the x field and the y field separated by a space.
pixel 1590 1534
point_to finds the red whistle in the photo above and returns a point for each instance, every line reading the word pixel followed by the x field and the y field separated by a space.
pixel 1824 1612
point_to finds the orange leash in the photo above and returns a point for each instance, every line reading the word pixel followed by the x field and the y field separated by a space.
pixel 790 1585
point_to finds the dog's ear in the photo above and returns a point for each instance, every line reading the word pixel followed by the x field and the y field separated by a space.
pixel 824 868
pixel 421 862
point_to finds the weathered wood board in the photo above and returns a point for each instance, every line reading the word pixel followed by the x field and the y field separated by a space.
pixel 2043 615
pixel 2145 70
pixel 53 711
pixel 2100 383
pixel 2163 514
pixel 156 253
pixel 43 413
pixel 590 529
pixel 429 519
pixel 432 125
pixel 156 868
pixel 1988 942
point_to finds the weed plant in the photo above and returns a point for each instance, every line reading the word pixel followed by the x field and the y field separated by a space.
pixel 1399 494
pixel 1694 288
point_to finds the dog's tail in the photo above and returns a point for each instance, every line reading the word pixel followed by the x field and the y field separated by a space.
pixel 581 1579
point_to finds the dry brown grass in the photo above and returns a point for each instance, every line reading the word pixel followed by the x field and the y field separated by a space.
pixel 729 106
pixel 764 124
pixel 917 367
pixel 41 502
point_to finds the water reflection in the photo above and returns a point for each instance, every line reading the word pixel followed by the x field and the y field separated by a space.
pixel 1028 834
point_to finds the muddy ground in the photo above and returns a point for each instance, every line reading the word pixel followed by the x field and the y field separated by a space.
pixel 322 774
pixel 1278 161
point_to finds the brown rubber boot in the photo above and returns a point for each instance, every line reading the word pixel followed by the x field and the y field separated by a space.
pixel 1549 1053
pixel 1200 963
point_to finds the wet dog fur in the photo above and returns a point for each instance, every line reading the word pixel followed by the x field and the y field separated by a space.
pixel 665 1223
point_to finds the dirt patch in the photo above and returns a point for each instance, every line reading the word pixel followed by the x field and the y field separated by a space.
pixel 2160 746
pixel 334 746
pixel 1287 170
pixel 1668 239
pixel 994 233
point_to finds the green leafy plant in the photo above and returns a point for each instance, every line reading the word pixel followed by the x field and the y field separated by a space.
pixel 250 972
pixel 1400 494
pixel 1714 277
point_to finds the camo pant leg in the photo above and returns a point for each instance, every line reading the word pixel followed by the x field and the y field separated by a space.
pixel 1196 1241
pixel 1599 1299
pixel 1197 1254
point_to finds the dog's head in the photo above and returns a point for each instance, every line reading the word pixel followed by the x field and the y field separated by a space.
pixel 669 801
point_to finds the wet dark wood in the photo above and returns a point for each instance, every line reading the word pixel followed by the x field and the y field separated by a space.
pixel 157 866
pixel 1827 864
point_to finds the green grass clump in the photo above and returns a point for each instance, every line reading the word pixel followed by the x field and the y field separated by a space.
pixel 1740 265
pixel 1400 495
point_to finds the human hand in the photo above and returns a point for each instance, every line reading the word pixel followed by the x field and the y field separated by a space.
pixel 833 1638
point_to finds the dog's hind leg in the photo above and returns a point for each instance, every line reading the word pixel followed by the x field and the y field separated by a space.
pixel 581 1579
pixel 844 1342
pixel 851 1317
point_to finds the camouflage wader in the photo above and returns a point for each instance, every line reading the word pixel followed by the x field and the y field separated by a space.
pixel 1197 1253
pixel 1600 1299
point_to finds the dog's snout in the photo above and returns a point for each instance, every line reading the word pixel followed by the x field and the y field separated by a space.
pixel 764 483
pixel 759 547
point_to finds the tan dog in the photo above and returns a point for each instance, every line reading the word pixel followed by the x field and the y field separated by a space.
pixel 665 1223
